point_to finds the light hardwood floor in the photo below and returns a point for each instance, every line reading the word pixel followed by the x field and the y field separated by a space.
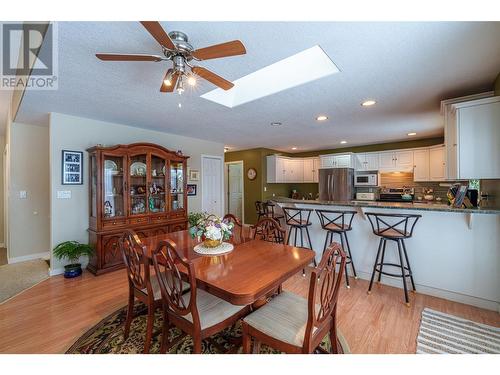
pixel 49 317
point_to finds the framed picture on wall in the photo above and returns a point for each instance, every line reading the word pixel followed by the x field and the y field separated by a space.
pixel 191 189
pixel 72 167
pixel 194 175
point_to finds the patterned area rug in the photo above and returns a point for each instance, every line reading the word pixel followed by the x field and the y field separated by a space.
pixel 443 333
pixel 107 337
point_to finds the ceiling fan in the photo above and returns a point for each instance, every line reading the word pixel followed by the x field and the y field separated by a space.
pixel 176 48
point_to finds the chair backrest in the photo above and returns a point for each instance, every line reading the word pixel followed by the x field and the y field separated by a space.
pixel 335 220
pixel 324 291
pixel 134 257
pixel 260 207
pixel 237 229
pixel 297 216
pixel 168 264
pixel 400 224
pixel 268 229
pixel 269 207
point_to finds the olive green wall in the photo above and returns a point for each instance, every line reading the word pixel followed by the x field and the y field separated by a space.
pixel 497 85
pixel 256 158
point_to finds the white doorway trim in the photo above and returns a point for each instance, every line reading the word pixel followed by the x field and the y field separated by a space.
pixel 226 188
pixel 221 197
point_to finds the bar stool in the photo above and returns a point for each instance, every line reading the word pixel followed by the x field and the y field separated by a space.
pixel 298 221
pixel 393 227
pixel 338 222
pixel 269 208
pixel 260 208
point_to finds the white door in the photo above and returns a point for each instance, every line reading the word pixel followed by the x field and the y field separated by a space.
pixel 421 165
pixel 316 169
pixel 342 161
pixel 404 159
pixel 386 160
pixel 235 189
pixel 308 170
pixel 372 162
pixel 211 180
pixel 437 164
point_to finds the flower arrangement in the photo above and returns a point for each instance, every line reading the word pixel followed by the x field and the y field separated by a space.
pixel 211 229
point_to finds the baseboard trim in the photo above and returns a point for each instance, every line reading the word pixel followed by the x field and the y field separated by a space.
pixel 24 258
pixel 60 271
pixel 436 292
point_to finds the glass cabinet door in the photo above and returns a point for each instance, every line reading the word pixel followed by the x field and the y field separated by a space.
pixel 176 186
pixel 138 185
pixel 157 192
pixel 114 198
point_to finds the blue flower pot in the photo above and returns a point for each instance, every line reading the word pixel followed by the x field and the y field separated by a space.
pixel 72 270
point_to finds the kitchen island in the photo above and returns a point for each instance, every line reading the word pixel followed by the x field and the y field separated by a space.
pixel 454 253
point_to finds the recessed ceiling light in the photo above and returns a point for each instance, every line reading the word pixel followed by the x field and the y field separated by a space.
pixel 276 124
pixel 294 148
pixel 322 118
pixel 343 142
pixel 413 133
pixel 368 103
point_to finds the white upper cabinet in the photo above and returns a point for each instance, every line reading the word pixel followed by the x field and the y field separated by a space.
pixel 311 166
pixel 477 150
pixel 294 170
pixel 437 164
pixel 337 161
pixel 421 165
pixel 367 162
pixel 276 169
pixel 396 160
pixel 282 169
pixel 317 164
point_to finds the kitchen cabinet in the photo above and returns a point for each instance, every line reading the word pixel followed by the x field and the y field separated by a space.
pixel 276 169
pixel 367 161
pixel 294 170
pixel 316 163
pixel 437 164
pixel 337 161
pixel 311 166
pixel 421 165
pixel 476 152
pixel 396 161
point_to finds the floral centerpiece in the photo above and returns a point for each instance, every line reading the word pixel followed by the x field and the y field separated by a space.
pixel 210 229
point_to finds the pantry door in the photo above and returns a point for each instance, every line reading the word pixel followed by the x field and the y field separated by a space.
pixel 212 181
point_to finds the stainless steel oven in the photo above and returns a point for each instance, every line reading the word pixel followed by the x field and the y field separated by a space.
pixel 366 179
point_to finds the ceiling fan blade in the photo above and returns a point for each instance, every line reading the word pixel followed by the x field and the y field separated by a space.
pixel 212 77
pixel 164 87
pixel 127 57
pixel 158 33
pixel 232 48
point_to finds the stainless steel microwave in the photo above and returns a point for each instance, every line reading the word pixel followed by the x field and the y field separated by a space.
pixel 366 179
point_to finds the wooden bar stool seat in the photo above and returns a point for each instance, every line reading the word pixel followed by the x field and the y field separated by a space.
pixel 338 222
pixel 397 228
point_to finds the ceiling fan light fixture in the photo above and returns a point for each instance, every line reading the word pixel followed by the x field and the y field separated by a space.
pixel 168 79
pixel 180 86
pixel 191 80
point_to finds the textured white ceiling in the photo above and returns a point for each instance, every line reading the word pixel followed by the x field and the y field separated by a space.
pixel 407 67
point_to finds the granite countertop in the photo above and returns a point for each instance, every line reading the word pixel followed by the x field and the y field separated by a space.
pixel 392 205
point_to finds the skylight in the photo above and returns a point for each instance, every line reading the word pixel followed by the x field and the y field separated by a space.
pixel 306 66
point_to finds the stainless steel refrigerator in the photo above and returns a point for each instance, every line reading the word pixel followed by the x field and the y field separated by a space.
pixel 336 184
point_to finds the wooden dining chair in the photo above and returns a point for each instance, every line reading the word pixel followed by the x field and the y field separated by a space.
pixel 238 235
pixel 293 324
pixel 197 313
pixel 141 284
pixel 268 229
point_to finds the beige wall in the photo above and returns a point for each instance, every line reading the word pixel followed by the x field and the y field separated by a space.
pixel 29 171
pixel 2 173
pixel 69 219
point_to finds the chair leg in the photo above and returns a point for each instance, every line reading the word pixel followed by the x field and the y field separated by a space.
pixel 408 264
pixel 375 266
pixel 149 327
pixel 310 246
pixel 295 237
pixel 333 336
pixel 164 332
pixel 345 269
pixel 256 346
pixel 403 274
pixel 350 255
pixel 382 261
pixel 197 344
pixel 247 340
pixel 130 312
pixel 326 243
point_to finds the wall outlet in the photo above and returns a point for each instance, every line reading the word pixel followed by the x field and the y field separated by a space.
pixel 23 194
pixel 265 188
pixel 63 194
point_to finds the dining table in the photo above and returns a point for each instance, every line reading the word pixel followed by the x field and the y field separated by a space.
pixel 245 275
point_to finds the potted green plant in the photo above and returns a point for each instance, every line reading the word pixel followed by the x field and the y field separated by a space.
pixel 72 251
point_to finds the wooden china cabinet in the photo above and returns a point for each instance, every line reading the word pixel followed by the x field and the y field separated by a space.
pixel 141 186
